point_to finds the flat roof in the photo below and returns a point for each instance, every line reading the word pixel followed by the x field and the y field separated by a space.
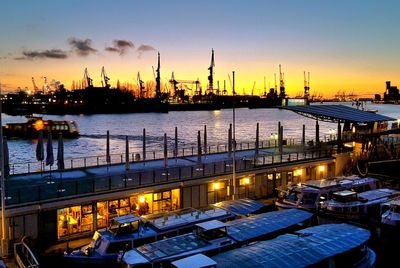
pixel 210 225
pixel 126 219
pixel 338 113
pixel 256 226
pixel 195 261
pixel 243 206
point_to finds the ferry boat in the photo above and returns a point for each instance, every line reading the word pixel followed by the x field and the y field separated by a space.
pixel 213 237
pixel 349 204
pixel 390 213
pixel 307 195
pixel 31 128
pixel 126 232
pixel 327 245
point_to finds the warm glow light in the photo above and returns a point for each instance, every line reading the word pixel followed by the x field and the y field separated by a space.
pixel 141 199
pixel 39 125
pixel 298 172
pixel 216 185
pixel 354 129
pixel 321 168
pixel 245 181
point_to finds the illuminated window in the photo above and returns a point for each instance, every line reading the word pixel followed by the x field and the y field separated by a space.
pixel 298 172
pixel 244 181
pixel 270 177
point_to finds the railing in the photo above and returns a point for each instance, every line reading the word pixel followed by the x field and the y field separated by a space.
pixel 24 256
pixel 54 186
pixel 93 161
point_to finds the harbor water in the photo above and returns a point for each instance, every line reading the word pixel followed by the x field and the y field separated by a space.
pixel 93 128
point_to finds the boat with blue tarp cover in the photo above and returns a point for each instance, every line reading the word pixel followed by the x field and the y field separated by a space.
pixel 213 237
pixel 243 207
pixel 129 231
pixel 328 245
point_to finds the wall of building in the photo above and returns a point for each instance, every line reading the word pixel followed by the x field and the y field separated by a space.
pixel 56 220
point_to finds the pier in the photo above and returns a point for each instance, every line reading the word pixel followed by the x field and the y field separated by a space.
pixel 38 203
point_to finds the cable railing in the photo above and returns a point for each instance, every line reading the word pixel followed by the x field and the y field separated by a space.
pixel 54 186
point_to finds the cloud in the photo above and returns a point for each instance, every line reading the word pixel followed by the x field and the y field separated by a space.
pixel 144 48
pixel 120 46
pixel 43 54
pixel 82 47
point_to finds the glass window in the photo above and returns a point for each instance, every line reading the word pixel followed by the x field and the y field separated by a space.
pixel 270 177
pixel 69 221
pixel 102 214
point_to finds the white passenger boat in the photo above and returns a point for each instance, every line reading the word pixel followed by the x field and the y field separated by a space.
pixel 390 213
pixel 307 195
pixel 349 204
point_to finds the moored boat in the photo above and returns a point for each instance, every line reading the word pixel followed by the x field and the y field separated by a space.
pixel 31 128
pixel 328 245
pixel 130 231
pixel 390 213
pixel 307 195
pixel 213 237
pixel 349 204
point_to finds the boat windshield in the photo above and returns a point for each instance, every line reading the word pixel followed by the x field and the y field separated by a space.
pixel 345 196
pixel 96 240
pixel 212 234
pixel 395 209
pixel 293 196
pixel 127 227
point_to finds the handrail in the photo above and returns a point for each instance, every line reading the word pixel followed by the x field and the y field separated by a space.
pixel 28 259
pixel 93 161
pixel 54 186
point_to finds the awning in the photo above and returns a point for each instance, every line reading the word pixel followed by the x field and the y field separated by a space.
pixel 338 113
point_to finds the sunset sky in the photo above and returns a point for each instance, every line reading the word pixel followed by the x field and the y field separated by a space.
pixel 350 45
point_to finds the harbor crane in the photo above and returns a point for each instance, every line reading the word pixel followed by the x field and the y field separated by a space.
pixel 252 90
pixel 158 78
pixel 87 79
pixel 306 85
pixel 46 87
pixel 35 88
pixel 211 75
pixel 141 87
pixel 282 93
pixel 104 78
pixel 174 83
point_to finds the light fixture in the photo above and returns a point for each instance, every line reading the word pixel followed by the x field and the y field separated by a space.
pixel 141 199
pixel 216 186
pixel 245 181
pixel 321 168
pixel 298 172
